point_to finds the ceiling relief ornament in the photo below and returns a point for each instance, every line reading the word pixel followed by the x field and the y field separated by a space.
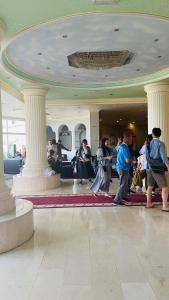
pixel 100 60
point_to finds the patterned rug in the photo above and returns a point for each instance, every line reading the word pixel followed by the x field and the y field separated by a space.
pixel 84 200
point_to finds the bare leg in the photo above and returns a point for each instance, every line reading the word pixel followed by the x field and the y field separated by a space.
pixel 149 191
pixel 165 198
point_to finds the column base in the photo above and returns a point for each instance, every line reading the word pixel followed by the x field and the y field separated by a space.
pixel 32 185
pixel 16 227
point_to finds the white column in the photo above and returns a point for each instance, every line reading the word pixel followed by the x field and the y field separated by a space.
pixel 34 177
pixel 16 217
pixel 158 109
pixel 36 159
pixel 94 131
pixel 7 202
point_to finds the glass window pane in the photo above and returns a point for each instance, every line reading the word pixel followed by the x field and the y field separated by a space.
pixel 5 145
pixel 4 125
pixel 15 126
pixel 15 143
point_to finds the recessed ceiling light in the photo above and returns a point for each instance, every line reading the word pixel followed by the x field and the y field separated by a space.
pixel 39 53
pixel 116 29
pixel 106 75
pixel 137 69
pixel 76 95
pixel 117 121
pixel 74 75
pixel 64 36
pixel 159 56
pixel 121 119
pixel 111 94
pixel 156 40
pixel 47 68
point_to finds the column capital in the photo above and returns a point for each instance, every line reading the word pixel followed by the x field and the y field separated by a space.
pixel 156 87
pixel 94 108
pixel 34 90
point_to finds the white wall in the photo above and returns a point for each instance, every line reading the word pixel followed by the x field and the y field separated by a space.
pixel 71 124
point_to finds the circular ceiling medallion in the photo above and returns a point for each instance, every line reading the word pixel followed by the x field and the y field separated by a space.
pixel 76 51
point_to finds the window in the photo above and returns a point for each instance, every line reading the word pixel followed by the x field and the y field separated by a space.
pixel 14 136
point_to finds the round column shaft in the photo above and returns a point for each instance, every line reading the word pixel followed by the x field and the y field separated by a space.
pixel 158 109
pixel 36 160
pixel 34 177
pixel 7 202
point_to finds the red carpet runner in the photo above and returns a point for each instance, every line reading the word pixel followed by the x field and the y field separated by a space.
pixel 83 200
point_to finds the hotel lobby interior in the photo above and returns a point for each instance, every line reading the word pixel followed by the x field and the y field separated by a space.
pixel 70 70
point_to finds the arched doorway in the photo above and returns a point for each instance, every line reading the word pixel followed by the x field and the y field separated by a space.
pixel 80 134
pixel 65 135
pixel 50 134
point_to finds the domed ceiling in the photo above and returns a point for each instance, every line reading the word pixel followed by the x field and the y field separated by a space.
pixel 100 51
pixel 42 53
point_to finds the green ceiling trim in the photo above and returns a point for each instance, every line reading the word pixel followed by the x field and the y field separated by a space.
pixel 21 14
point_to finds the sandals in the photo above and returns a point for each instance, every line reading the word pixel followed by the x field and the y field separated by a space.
pixel 165 209
pixel 107 195
pixel 149 207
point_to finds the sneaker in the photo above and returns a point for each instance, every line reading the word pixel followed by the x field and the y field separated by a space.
pixel 118 204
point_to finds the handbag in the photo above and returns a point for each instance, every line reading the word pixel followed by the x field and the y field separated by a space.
pixel 156 165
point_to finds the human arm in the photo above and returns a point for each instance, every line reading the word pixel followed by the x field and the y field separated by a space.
pixel 127 155
pixel 63 147
pixel 164 155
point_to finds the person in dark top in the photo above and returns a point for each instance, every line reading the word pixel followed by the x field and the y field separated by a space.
pixel 84 167
pixel 59 149
pixel 53 162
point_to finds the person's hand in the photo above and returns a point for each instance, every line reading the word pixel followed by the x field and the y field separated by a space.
pixel 121 172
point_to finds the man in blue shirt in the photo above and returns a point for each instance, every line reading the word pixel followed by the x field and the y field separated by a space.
pixel 157 151
pixel 123 165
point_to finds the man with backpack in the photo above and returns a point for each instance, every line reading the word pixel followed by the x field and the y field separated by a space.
pixel 157 162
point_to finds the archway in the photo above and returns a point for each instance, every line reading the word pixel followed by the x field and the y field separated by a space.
pixel 80 134
pixel 65 135
pixel 50 134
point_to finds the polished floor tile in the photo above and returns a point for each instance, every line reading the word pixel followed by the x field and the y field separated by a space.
pixel 90 253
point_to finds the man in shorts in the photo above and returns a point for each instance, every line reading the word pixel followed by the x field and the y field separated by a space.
pixel 157 151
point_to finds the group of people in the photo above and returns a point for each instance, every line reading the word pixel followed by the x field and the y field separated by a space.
pixel 156 163
pixel 54 154
pixel 151 165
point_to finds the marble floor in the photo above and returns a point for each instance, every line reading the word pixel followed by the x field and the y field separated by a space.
pixel 99 253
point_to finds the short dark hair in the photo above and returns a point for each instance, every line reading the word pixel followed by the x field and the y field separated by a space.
pixel 156 132
pixel 59 141
pixel 51 152
pixel 103 141
pixel 127 133
pixel 149 138
pixel 53 141
pixel 84 141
